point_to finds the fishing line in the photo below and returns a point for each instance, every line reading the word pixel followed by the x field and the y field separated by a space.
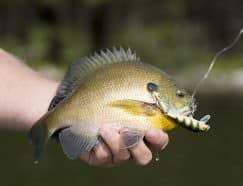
pixel 218 54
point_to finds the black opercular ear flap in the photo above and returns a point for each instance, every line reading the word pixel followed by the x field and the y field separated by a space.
pixel 180 94
pixel 152 87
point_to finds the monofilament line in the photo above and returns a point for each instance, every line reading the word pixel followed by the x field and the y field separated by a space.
pixel 218 54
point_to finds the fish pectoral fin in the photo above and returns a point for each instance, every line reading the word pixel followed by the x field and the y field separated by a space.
pixel 131 137
pixel 74 145
pixel 135 107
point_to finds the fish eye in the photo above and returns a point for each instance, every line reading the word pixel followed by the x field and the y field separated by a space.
pixel 152 87
pixel 180 94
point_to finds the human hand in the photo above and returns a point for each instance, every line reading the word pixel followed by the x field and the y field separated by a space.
pixel 112 154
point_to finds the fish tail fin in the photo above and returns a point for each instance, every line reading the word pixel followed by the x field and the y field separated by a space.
pixel 38 135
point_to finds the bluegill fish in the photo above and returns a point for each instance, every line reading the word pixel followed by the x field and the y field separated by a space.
pixel 115 88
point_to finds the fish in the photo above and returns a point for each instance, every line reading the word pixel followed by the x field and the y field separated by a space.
pixel 113 87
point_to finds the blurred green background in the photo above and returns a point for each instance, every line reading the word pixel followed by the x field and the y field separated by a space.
pixel 178 36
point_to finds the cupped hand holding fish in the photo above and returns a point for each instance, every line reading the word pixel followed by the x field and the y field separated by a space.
pixel 111 154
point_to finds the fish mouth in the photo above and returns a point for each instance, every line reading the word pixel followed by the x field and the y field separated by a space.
pixel 188 110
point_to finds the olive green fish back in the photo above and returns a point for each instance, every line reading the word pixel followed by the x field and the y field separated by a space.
pixel 78 70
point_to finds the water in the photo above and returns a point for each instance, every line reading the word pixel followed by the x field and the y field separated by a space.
pixel 213 158
pixel 156 156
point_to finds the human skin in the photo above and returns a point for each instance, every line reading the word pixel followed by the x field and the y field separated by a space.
pixel 25 96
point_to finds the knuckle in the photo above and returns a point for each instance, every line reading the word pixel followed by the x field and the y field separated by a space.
pixel 103 156
pixel 112 141
pixel 111 137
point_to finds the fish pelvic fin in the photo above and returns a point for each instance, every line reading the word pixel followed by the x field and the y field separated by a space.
pixel 131 137
pixel 38 135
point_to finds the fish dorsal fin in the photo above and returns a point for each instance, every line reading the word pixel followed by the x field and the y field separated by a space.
pixel 86 65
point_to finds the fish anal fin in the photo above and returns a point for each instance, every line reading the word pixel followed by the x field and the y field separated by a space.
pixel 136 107
pixel 131 137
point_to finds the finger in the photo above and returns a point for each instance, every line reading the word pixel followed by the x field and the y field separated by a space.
pixel 99 156
pixel 113 140
pixel 156 138
pixel 141 153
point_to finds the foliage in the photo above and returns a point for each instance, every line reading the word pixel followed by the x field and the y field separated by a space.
pixel 169 33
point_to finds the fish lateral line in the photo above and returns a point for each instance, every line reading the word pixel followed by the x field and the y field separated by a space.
pixel 217 55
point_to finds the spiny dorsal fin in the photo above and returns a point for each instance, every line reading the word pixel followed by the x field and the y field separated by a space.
pixel 86 65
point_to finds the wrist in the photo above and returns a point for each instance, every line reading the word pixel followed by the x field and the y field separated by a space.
pixel 37 106
pixel 24 94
